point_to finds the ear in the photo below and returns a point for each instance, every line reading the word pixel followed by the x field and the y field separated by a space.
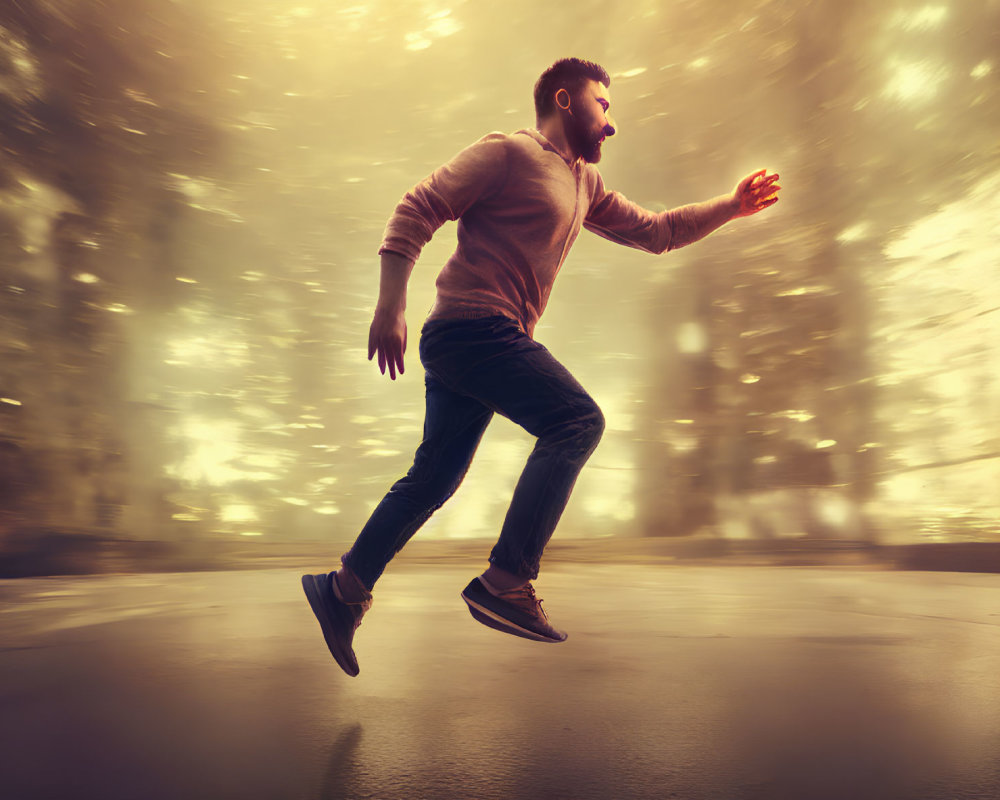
pixel 563 99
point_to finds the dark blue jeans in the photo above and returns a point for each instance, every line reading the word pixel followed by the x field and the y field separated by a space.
pixel 475 368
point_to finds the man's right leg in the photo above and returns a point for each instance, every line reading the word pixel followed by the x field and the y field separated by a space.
pixel 453 427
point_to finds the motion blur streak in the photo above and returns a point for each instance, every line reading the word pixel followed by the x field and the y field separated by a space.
pixel 192 194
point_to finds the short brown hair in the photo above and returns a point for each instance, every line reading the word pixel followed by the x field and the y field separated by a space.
pixel 568 74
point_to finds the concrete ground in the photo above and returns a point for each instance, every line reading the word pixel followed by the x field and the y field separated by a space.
pixel 698 681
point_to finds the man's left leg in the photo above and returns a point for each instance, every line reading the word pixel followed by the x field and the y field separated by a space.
pixel 525 383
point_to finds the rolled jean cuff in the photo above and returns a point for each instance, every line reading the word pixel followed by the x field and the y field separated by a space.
pixel 522 568
pixel 347 563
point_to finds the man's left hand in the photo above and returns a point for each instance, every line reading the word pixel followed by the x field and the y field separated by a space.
pixel 755 192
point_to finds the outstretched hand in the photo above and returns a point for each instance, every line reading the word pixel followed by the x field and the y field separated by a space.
pixel 387 337
pixel 755 192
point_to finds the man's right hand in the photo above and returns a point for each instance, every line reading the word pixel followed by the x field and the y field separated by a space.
pixel 387 337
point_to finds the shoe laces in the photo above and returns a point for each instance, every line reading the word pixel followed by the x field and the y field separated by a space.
pixel 525 597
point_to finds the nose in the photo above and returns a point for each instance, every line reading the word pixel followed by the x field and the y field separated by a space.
pixel 609 127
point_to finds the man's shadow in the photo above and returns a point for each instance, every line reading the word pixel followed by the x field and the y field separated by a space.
pixel 342 779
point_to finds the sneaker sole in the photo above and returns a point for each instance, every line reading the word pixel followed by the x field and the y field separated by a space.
pixel 311 588
pixel 493 620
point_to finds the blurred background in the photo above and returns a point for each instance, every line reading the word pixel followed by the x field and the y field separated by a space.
pixel 192 195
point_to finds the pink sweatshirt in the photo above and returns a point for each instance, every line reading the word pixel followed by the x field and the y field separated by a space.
pixel 520 205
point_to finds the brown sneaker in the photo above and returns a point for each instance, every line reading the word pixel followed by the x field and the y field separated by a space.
pixel 518 611
pixel 338 618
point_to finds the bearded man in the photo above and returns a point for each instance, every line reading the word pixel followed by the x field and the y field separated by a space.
pixel 520 200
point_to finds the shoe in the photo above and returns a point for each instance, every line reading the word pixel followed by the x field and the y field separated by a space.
pixel 517 611
pixel 338 618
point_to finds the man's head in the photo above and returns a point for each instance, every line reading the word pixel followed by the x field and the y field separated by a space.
pixel 576 92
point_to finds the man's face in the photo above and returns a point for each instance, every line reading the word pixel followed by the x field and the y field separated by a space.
pixel 587 121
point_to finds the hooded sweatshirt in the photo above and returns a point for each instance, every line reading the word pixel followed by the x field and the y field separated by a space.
pixel 520 205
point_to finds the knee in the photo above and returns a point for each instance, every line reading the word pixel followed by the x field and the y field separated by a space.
pixel 582 430
pixel 592 427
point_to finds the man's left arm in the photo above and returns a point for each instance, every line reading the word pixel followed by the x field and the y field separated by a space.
pixel 616 218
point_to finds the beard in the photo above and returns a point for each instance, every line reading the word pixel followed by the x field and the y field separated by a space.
pixel 583 142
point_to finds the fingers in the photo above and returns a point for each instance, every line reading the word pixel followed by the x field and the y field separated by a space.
pixel 760 203
pixel 402 350
pixel 387 340
pixel 757 191
pixel 394 349
pixel 390 355
pixel 764 191
pixel 761 181
pixel 397 355
pixel 747 182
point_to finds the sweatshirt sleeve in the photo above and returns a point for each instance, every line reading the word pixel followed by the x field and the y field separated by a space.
pixel 476 173
pixel 618 219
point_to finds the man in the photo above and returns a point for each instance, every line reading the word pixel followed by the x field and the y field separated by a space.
pixel 520 200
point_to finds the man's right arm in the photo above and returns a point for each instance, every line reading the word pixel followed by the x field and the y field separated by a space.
pixel 387 335
pixel 476 172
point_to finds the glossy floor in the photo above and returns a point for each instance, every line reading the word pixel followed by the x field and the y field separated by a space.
pixel 725 682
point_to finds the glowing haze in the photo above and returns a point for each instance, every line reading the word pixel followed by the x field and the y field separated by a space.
pixel 187 282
